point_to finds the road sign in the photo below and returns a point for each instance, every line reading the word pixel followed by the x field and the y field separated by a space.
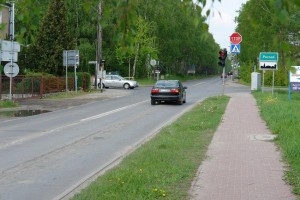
pixel 235 38
pixel 235 48
pixel 8 55
pixel 11 70
pixel 9 50
pixel 295 79
pixel 92 62
pixel 268 65
pixel 7 45
pixel 268 60
pixel 268 56
pixel 70 57
pixel 153 62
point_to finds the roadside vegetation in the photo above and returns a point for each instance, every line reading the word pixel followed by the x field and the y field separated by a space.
pixel 282 36
pixel 282 118
pixel 7 104
pixel 165 166
pixel 69 94
pixel 133 33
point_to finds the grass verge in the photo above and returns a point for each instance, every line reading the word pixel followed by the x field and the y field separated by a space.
pixel 165 166
pixel 69 94
pixel 7 104
pixel 282 118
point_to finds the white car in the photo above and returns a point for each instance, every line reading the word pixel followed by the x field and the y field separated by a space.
pixel 116 81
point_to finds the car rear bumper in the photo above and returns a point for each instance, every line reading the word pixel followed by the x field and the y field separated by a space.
pixel 165 98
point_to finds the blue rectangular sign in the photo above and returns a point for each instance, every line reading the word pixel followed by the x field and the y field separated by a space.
pixel 235 48
pixel 268 56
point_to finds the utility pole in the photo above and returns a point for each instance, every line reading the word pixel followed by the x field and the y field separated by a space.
pixel 99 45
pixel 12 37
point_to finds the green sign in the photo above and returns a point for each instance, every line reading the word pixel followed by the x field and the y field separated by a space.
pixel 268 56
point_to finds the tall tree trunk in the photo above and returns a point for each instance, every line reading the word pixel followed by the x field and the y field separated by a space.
pixel 135 59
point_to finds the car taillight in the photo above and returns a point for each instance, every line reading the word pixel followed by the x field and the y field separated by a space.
pixel 175 91
pixel 154 90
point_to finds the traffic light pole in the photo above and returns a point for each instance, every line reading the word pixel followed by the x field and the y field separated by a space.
pixel 223 80
pixel 222 59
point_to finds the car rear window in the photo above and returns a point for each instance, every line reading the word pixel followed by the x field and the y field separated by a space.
pixel 167 84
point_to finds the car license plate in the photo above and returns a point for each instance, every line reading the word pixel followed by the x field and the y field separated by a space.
pixel 164 90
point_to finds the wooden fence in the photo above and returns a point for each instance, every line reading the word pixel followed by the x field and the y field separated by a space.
pixel 39 86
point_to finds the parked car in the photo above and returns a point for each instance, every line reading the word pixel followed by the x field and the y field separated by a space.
pixel 168 91
pixel 117 81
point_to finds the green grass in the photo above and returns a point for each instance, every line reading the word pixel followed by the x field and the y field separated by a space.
pixel 283 119
pixel 7 104
pixel 69 94
pixel 164 167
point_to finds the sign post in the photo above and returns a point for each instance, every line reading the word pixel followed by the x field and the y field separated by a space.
pixel 235 39
pixel 71 58
pixel 268 61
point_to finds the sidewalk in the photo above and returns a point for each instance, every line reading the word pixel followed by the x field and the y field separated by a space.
pixel 242 162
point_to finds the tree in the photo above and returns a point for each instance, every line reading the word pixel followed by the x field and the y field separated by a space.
pixel 268 32
pixel 143 45
pixel 176 45
pixel 46 52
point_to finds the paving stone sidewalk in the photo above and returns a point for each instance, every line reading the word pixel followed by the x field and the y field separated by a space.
pixel 242 162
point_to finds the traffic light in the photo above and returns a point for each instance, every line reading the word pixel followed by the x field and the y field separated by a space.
pixel 221 60
pixel 222 57
pixel 224 54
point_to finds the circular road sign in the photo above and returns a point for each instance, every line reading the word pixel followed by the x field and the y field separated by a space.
pixel 153 62
pixel 11 70
pixel 235 38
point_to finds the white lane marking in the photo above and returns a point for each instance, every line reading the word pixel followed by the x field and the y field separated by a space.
pixel 111 112
pixel 40 134
pixel 199 83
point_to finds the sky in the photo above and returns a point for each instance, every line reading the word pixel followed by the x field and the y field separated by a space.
pixel 221 20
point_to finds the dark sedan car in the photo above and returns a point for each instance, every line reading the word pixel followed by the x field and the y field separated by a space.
pixel 168 91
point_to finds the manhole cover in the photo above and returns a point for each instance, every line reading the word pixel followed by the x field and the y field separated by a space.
pixel 265 137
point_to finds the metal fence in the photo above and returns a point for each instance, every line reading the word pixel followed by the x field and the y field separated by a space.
pixel 38 86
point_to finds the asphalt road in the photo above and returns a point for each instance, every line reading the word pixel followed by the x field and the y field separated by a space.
pixel 53 155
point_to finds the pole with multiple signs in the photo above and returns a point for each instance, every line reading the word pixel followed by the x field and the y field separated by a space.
pixel 235 40
pixel 268 61
pixel 71 58
pixel 12 35
pixel 235 48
